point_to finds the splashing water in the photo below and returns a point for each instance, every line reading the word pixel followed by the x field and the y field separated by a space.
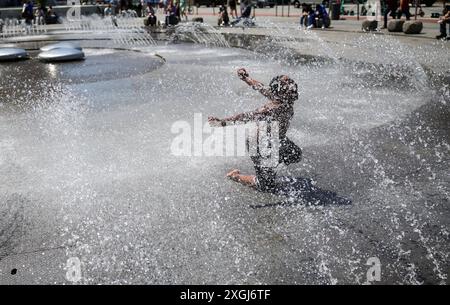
pixel 199 33
pixel 124 31
pixel 14 27
pixel 96 156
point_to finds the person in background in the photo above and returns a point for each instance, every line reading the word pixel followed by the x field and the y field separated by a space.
pixel 224 20
pixel 177 10
pixel 420 12
pixel 306 10
pixel 167 4
pixel 27 12
pixel 140 8
pixel 52 17
pixel 311 19
pixel 108 11
pixel 321 14
pixel 390 8
pixel 40 14
pixel 245 13
pixel 161 7
pixel 233 4
pixel 51 11
pixel 443 21
pixel 363 11
pixel 171 14
pixel 150 14
pixel 183 9
pixel 404 10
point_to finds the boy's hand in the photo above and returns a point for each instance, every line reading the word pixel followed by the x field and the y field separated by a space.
pixel 216 122
pixel 242 73
pixel 213 121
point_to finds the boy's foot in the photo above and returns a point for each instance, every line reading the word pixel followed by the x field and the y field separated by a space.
pixel 233 174
pixel 442 36
pixel 309 27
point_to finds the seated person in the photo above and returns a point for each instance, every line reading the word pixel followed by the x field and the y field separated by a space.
pixel 150 14
pixel 108 11
pixel 306 10
pixel 322 19
pixel 311 21
pixel 224 20
pixel 443 21
pixel 246 13
pixel 51 17
pixel 171 15
pixel 40 14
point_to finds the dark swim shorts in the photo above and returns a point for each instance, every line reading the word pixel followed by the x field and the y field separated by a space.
pixel 265 176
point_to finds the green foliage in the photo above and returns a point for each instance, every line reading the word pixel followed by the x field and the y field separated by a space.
pixel 42 3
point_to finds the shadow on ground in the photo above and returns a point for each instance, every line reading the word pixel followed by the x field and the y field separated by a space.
pixel 299 190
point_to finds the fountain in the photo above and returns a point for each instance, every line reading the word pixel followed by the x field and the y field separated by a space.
pixel 87 175
pixel 59 46
pixel 10 54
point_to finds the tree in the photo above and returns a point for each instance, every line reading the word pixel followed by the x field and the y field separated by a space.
pixel 41 3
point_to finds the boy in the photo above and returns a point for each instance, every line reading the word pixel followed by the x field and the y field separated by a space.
pixel 281 92
pixel 444 20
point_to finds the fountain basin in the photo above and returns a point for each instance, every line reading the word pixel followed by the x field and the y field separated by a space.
pixel 93 151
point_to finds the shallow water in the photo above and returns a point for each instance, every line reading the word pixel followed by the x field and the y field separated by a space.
pixel 87 168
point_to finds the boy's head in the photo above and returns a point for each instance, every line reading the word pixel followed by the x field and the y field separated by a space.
pixel 284 88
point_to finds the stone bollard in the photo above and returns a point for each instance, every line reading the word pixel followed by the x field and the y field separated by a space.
pixel 395 25
pixel 197 19
pixel 369 25
pixel 412 27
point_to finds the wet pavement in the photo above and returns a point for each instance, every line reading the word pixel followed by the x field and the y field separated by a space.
pixel 87 172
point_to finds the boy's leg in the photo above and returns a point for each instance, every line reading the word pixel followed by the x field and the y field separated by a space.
pixel 264 180
pixel 265 176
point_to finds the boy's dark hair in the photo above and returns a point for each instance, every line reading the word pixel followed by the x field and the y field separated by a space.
pixel 284 89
